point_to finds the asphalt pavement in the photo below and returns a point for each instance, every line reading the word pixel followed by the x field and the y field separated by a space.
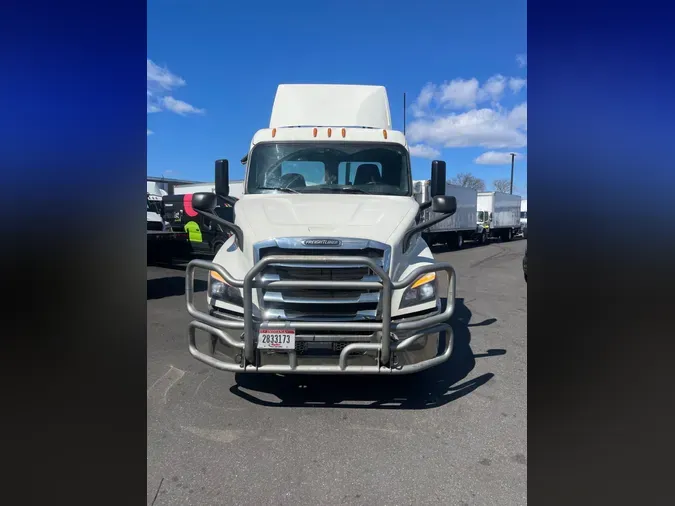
pixel 453 435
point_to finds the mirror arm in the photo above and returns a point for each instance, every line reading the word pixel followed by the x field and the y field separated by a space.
pixel 425 205
pixel 229 200
pixel 417 228
pixel 238 232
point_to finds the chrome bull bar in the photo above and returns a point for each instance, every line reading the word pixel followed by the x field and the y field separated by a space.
pixel 434 323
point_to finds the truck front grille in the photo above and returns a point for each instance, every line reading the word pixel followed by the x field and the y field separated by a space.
pixel 320 304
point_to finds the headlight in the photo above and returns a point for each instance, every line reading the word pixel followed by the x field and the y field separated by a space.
pixel 422 290
pixel 218 289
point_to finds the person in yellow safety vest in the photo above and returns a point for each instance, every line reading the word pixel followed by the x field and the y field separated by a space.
pixel 194 232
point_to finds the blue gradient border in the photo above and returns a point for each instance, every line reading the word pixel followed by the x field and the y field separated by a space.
pixel 600 170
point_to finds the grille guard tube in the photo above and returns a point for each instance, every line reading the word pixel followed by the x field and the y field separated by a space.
pixel 386 327
pixel 341 368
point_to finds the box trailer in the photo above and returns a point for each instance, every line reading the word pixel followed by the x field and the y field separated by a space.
pixel 461 226
pixel 499 213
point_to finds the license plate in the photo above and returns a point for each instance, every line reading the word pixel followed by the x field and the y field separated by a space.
pixel 276 339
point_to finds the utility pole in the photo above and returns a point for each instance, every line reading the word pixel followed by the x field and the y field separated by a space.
pixel 404 113
pixel 513 157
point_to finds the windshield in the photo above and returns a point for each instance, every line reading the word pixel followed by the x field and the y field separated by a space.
pixel 312 167
pixel 482 215
pixel 154 206
pixel 523 214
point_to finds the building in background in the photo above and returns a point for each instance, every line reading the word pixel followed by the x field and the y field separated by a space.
pixel 167 184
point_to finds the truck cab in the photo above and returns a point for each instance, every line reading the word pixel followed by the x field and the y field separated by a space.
pixel 326 270
pixel 154 214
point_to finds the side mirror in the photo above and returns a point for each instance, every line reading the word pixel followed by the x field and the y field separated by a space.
pixel 437 178
pixel 444 204
pixel 222 178
pixel 204 202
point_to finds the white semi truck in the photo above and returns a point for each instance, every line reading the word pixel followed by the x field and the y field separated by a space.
pixel 523 218
pixel 326 271
pixel 499 214
pixel 460 226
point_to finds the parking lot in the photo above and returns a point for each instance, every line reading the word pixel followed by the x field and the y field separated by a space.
pixel 456 434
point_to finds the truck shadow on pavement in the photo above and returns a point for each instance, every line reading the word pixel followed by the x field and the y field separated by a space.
pixel 172 286
pixel 428 389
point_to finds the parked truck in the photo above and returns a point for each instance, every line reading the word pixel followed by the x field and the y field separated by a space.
pixel 326 270
pixel 205 236
pixel 523 218
pixel 499 214
pixel 163 244
pixel 460 226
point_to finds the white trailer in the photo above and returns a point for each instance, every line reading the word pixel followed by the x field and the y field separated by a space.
pixel 523 218
pixel 499 213
pixel 236 188
pixel 460 226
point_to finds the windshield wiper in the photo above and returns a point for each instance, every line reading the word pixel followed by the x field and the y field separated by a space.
pixel 342 189
pixel 286 190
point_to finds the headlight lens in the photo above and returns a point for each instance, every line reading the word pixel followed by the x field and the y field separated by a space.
pixel 422 290
pixel 220 290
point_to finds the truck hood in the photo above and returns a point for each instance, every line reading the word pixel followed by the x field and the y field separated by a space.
pixel 154 217
pixel 374 217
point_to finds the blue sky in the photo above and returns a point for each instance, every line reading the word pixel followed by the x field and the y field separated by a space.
pixel 213 69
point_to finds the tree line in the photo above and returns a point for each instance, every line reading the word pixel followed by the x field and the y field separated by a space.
pixel 471 181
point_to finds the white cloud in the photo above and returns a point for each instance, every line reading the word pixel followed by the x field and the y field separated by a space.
pixel 516 84
pixel 423 100
pixel 162 78
pixel 425 96
pixel 488 128
pixel 464 93
pixel 423 151
pixel 476 116
pixel 496 158
pixel 518 116
pixel 150 132
pixel 521 59
pixel 161 81
pixel 493 89
pixel 459 93
pixel 180 107
pixel 153 107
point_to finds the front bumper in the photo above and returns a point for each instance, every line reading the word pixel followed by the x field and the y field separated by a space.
pixel 395 345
